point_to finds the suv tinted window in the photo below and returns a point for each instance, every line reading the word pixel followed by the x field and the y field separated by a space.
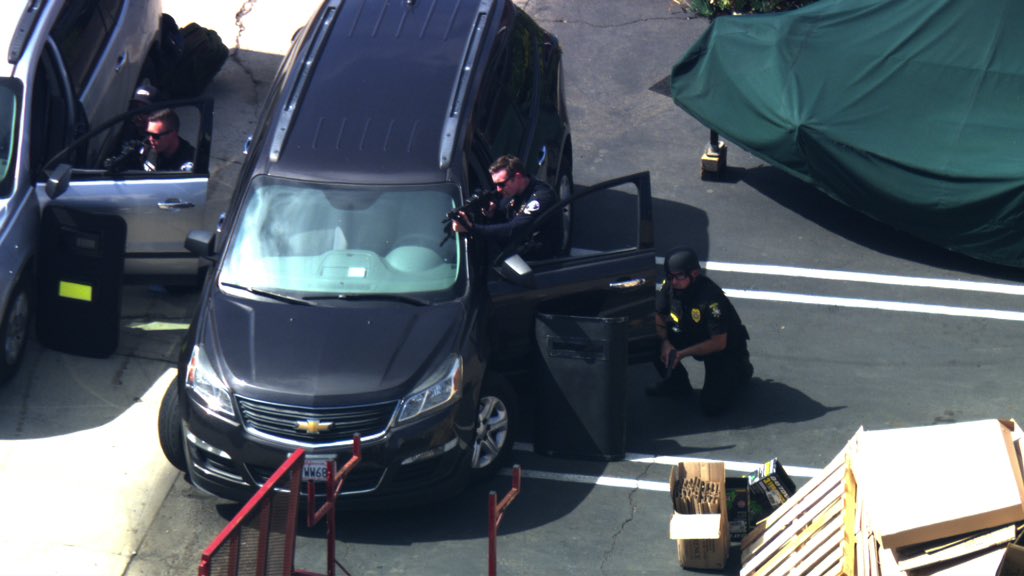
pixel 507 91
pixel 523 56
pixel 81 32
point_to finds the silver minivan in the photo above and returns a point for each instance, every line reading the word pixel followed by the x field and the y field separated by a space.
pixel 72 66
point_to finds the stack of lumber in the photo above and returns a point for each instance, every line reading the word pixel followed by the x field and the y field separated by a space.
pixel 933 500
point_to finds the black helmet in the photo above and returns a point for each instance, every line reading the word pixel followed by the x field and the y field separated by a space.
pixel 681 261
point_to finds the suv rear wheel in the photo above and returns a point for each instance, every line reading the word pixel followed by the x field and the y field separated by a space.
pixel 14 329
pixel 496 411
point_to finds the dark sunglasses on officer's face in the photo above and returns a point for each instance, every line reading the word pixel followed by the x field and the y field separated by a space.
pixel 158 135
pixel 501 185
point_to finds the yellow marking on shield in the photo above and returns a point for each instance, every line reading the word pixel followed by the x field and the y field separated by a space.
pixel 75 291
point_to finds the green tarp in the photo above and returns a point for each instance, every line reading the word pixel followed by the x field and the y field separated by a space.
pixel 911 111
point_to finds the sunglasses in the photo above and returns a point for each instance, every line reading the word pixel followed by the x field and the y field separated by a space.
pixel 158 135
pixel 501 185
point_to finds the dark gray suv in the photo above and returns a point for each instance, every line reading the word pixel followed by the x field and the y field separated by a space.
pixel 336 305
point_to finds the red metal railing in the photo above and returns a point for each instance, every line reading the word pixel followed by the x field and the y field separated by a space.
pixel 260 539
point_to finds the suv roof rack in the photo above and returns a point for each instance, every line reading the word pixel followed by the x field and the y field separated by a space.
pixel 284 122
pixel 458 98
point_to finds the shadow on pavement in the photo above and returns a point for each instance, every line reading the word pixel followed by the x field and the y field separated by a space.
pixel 818 207
pixel 678 224
pixel 657 424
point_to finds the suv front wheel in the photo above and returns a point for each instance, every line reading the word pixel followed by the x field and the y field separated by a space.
pixel 496 411
pixel 169 428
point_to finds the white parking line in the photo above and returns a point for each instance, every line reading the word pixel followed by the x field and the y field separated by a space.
pixel 633 483
pixel 839 275
pixel 967 285
pixel 876 304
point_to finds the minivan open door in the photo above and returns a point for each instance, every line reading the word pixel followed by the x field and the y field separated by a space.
pixel 159 208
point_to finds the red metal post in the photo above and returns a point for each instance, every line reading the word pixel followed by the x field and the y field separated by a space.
pixel 335 480
pixel 495 512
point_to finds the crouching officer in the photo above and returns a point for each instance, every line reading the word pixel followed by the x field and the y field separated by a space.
pixel 695 318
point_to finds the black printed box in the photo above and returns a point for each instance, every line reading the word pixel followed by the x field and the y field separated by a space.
pixel 770 484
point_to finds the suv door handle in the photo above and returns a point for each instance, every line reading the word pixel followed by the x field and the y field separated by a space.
pixel 174 204
pixel 630 284
pixel 119 64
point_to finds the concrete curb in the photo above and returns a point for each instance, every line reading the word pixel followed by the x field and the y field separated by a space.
pixel 80 503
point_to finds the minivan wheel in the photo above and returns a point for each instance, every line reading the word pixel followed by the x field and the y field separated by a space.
pixel 14 327
pixel 495 416
pixel 169 428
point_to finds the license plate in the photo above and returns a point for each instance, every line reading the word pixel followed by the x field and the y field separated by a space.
pixel 315 467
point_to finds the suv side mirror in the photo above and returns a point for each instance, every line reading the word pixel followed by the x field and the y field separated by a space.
pixel 57 180
pixel 516 270
pixel 200 243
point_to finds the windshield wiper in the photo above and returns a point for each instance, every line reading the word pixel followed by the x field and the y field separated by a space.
pixel 269 294
pixel 393 297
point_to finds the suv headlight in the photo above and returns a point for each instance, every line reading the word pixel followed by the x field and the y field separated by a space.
pixel 207 388
pixel 441 388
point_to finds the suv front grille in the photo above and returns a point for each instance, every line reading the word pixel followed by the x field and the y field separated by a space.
pixel 307 425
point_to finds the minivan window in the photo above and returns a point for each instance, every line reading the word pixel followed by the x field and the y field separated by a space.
pixel 81 32
pixel 310 239
pixel 10 111
pixel 51 123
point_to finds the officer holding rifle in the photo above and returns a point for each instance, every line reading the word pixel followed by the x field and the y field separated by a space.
pixel 523 199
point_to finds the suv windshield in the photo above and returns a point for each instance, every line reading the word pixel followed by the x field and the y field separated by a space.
pixel 308 239
pixel 10 91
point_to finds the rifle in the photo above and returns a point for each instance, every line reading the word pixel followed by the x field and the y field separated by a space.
pixel 479 200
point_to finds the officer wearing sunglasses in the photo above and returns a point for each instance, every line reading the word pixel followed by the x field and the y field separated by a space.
pixel 523 199
pixel 161 148
pixel 695 318
pixel 164 149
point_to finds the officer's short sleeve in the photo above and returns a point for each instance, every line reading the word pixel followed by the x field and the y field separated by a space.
pixel 661 301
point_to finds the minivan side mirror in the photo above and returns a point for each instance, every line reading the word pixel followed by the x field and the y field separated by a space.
pixel 516 270
pixel 200 243
pixel 57 180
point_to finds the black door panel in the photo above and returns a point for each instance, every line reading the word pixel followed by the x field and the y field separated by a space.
pixel 605 275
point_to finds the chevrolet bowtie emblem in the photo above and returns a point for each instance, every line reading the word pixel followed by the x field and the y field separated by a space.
pixel 312 426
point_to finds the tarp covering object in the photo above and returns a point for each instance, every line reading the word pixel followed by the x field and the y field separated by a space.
pixel 911 111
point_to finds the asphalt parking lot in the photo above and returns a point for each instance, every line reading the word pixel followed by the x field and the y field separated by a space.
pixel 852 324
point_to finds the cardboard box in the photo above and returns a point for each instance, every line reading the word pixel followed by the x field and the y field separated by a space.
pixel 932 482
pixel 700 526
pixel 770 484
